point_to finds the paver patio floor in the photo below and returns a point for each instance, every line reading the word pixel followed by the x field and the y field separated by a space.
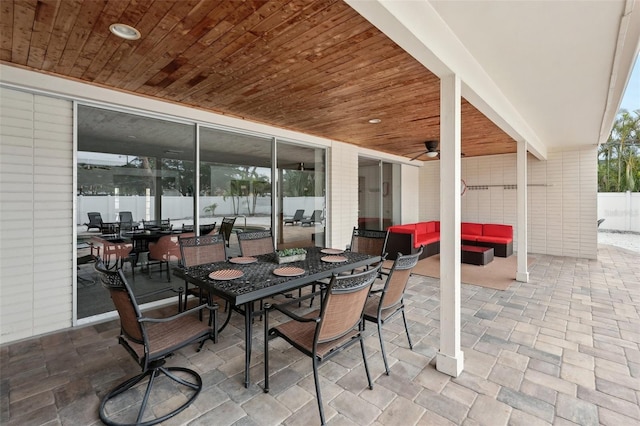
pixel 561 349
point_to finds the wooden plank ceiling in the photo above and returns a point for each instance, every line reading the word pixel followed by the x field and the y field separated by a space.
pixel 313 66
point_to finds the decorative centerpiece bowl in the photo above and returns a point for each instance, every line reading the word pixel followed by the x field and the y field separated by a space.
pixel 291 255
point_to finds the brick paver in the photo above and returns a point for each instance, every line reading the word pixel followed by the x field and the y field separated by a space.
pixel 561 349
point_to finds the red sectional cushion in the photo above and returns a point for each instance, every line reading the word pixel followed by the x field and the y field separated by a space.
pixel 492 239
pixel 402 229
pixel 467 237
pixel 437 222
pixel 421 228
pixel 494 230
pixel 424 239
pixel 431 227
pixel 468 228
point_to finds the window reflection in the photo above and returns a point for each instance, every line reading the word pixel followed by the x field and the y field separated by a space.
pixel 143 168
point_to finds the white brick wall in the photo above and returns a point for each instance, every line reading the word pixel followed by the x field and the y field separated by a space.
pixel 562 199
pixel 36 190
pixel 343 196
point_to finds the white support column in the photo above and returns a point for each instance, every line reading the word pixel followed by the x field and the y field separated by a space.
pixel 450 359
pixel 522 274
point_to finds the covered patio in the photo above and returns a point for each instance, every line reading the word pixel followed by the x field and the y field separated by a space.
pixel 518 95
pixel 561 349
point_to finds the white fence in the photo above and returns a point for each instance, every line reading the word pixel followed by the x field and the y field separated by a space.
pixel 620 211
pixel 181 208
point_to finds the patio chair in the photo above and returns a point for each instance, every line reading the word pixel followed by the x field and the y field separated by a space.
pixel 150 341
pixel 325 333
pixel 126 221
pixel 204 229
pixel 95 221
pixel 207 229
pixel 113 252
pixel 385 303
pixel 199 251
pixel 166 249
pixel 297 217
pixel 226 227
pixel 316 217
pixel 255 243
pixel 371 242
pixel 157 225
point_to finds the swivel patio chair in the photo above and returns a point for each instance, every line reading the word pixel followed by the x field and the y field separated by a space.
pixel 297 217
pixel 385 303
pixel 150 341
pixel 325 333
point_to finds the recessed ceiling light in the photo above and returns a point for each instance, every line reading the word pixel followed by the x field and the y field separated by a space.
pixel 125 31
pixel 375 121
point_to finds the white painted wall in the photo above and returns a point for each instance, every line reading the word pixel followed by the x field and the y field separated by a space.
pixel 562 197
pixel 36 222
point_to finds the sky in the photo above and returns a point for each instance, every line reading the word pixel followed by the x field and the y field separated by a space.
pixel 631 97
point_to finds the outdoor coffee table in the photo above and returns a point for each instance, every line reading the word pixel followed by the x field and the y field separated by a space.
pixel 476 255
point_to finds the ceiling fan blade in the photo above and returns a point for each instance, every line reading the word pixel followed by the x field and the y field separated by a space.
pixel 419 155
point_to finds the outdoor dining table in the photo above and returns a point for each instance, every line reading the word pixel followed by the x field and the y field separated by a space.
pixel 259 281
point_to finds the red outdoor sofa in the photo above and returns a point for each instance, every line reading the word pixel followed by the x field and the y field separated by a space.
pixel 408 238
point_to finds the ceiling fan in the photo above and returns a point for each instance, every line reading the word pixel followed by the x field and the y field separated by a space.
pixel 432 150
pixel 301 167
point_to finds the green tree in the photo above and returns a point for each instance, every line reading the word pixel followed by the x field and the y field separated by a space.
pixel 619 157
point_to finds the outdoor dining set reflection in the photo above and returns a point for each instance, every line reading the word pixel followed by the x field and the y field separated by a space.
pixel 318 302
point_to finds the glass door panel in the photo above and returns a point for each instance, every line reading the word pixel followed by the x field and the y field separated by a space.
pixel 131 169
pixel 235 181
pixel 302 203
pixel 378 197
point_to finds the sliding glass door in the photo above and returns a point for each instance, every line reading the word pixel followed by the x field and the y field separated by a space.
pixel 302 187
pixel 378 194
pixel 135 170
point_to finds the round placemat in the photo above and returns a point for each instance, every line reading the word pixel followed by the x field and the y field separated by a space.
pixel 334 259
pixel 242 260
pixel 288 271
pixel 226 274
pixel 331 251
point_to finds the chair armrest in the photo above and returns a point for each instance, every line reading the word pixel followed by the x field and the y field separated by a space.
pixel 290 314
pixel 162 290
pixel 213 307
